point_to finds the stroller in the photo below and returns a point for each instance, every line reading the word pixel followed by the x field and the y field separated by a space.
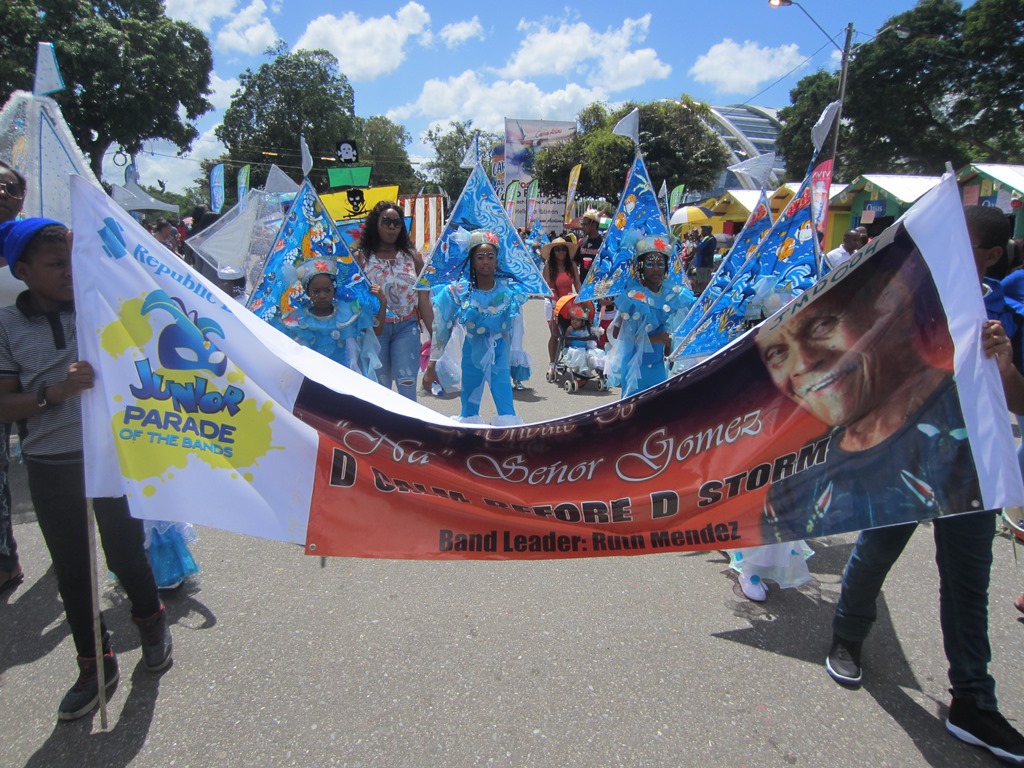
pixel 578 360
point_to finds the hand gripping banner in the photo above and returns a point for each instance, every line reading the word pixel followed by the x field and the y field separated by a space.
pixel 867 401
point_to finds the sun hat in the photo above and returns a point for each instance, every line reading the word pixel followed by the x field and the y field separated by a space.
pixel 545 252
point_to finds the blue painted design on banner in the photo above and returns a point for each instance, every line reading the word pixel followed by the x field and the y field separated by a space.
pixel 479 207
pixel 217 187
pixel 307 232
pixel 744 247
pixel 639 212
pixel 783 266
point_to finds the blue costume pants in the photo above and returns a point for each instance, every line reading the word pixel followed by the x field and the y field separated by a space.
pixel 500 380
pixel 652 370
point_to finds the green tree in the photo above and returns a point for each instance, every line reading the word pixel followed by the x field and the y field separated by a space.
pixel 950 92
pixel 129 70
pixel 450 145
pixel 676 142
pixel 382 144
pixel 300 93
pixel 305 92
pixel 901 95
pixel 810 97
pixel 993 41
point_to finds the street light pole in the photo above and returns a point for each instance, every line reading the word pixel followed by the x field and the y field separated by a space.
pixel 843 72
pixel 845 50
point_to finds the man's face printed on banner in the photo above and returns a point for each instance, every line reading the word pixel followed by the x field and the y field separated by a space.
pixel 842 359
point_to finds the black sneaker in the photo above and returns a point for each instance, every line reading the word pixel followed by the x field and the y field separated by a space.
pixel 985 728
pixel 85 693
pixel 843 661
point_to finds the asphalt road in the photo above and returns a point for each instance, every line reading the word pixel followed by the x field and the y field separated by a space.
pixel 632 661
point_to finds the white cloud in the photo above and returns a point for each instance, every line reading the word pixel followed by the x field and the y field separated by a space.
pixel 458 33
pixel 250 31
pixel 467 96
pixel 198 12
pixel 159 160
pixel 223 90
pixel 733 68
pixel 368 48
pixel 609 59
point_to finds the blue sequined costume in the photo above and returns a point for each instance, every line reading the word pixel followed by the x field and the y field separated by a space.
pixel 634 363
pixel 346 335
pixel 493 324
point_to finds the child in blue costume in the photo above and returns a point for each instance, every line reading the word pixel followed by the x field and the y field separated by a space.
pixel 489 308
pixel 649 309
pixel 340 330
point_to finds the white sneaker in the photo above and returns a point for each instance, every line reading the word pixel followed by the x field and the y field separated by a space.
pixel 753 588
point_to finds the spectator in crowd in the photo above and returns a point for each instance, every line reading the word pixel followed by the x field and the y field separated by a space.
pixel 704 258
pixel 852 242
pixel 12 196
pixel 562 278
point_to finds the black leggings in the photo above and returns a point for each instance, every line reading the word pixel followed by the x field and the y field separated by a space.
pixel 58 495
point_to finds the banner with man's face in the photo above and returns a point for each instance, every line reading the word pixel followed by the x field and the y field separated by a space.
pixel 865 402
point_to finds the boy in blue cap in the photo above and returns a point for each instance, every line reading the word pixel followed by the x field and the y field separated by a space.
pixel 41 379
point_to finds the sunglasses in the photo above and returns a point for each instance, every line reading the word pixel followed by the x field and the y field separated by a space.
pixel 12 189
pixel 391 221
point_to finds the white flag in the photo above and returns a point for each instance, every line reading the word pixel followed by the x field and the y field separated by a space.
pixel 629 126
pixel 821 128
pixel 307 159
pixel 472 156
pixel 757 168
pixel 279 183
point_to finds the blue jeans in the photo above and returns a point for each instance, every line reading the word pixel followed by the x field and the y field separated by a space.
pixel 963 553
pixel 400 356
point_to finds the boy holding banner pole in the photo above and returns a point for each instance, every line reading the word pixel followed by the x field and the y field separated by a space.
pixel 41 379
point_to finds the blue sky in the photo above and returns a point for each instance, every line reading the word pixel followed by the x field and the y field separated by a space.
pixel 425 62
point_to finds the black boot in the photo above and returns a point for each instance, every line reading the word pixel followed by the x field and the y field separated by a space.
pixel 156 640
pixel 85 693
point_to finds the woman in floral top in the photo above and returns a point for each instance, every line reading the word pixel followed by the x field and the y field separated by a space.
pixel 489 309
pixel 389 260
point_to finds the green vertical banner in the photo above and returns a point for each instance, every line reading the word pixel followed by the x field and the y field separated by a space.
pixel 570 197
pixel 675 198
pixel 511 200
pixel 243 181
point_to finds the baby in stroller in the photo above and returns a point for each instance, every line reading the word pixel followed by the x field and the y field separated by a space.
pixel 580 360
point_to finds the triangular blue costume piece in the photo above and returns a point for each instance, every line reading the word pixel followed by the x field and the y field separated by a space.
pixel 307 232
pixel 479 207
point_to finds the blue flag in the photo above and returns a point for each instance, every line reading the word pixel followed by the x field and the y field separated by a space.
pixel 784 265
pixel 307 232
pixel 745 245
pixel 217 187
pixel 638 213
pixel 479 207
